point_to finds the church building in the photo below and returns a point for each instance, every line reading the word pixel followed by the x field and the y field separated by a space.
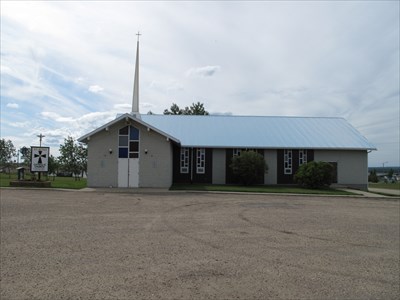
pixel 139 150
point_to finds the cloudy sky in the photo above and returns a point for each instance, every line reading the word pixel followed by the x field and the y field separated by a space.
pixel 67 67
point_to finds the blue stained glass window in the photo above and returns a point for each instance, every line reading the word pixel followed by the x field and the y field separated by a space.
pixel 134 134
pixel 128 142
pixel 123 153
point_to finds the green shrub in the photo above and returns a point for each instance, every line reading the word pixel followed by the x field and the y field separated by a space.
pixel 249 166
pixel 314 174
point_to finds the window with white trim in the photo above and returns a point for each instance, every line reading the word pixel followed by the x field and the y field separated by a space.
pixel 184 160
pixel 302 156
pixel 200 161
pixel 287 162
pixel 236 152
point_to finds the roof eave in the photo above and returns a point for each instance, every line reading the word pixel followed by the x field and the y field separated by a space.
pixel 277 147
pixel 86 137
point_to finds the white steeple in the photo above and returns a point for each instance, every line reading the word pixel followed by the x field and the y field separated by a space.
pixel 135 100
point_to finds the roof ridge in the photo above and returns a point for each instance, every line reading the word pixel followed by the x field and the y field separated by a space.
pixel 245 116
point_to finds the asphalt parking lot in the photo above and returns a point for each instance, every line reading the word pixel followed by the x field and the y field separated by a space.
pixel 99 245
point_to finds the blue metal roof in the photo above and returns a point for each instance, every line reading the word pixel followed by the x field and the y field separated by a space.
pixel 260 132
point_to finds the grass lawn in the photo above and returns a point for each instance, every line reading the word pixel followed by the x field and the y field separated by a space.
pixel 382 185
pixel 257 189
pixel 59 182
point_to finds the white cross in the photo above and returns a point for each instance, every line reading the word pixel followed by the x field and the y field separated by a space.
pixel 40 136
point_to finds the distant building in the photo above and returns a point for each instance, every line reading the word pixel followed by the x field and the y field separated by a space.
pixel 136 150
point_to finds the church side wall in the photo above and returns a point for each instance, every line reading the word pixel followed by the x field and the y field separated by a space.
pixel 103 166
pixel 218 166
pixel 271 157
pixel 155 166
pixel 352 166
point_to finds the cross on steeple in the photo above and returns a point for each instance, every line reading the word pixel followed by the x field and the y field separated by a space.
pixel 138 35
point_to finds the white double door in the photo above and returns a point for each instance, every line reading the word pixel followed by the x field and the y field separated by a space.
pixel 128 172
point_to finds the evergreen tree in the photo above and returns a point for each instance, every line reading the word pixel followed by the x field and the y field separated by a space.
pixel 194 109
pixel 198 109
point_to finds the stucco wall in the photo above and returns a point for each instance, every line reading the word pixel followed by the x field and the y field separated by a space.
pixel 352 166
pixel 103 166
pixel 271 157
pixel 218 166
pixel 155 167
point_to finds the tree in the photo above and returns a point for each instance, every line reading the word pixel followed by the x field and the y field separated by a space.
pixel 194 109
pixel 373 177
pixel 314 174
pixel 249 166
pixel 198 109
pixel 82 154
pixel 25 154
pixel 7 152
pixel 53 166
pixel 174 110
pixel 73 157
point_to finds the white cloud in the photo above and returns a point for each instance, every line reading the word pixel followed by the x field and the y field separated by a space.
pixel 147 105
pixel 166 86
pixel 95 89
pixel 264 58
pixel 123 106
pixel 19 124
pixel 206 71
pixel 56 117
pixel 5 70
pixel 79 80
pixel 12 105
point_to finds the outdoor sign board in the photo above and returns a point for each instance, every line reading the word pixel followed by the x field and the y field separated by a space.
pixel 40 159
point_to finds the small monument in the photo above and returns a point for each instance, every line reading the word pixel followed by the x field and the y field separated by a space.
pixel 39 163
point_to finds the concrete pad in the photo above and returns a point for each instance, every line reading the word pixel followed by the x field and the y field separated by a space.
pixel 364 193
pixel 386 191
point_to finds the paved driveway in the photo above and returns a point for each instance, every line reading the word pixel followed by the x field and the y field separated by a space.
pixel 93 245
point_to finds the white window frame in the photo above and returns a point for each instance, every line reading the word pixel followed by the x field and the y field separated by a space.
pixel 128 136
pixel 184 161
pixel 287 161
pixel 237 152
pixel 302 156
pixel 200 160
